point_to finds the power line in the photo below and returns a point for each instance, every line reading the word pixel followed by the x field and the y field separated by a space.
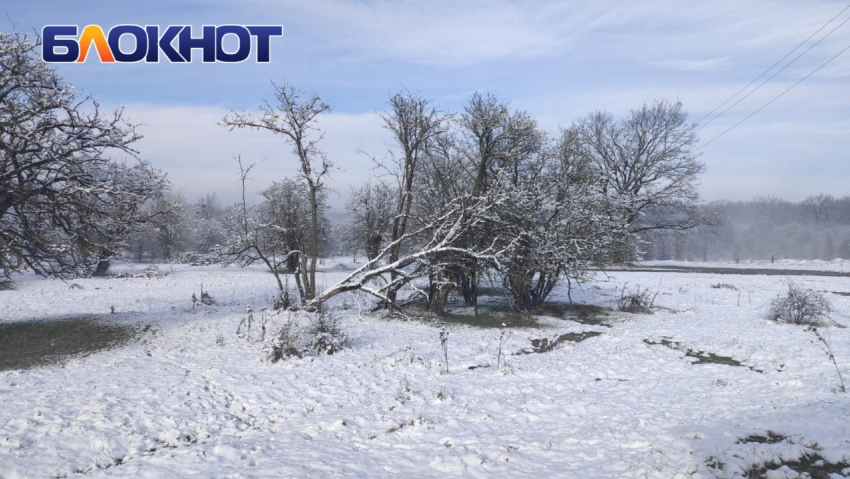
pixel 777 73
pixel 775 98
pixel 773 66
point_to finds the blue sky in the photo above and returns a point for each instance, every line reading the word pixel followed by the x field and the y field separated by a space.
pixel 557 60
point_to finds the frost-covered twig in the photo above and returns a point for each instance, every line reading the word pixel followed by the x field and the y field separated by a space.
pixel 827 348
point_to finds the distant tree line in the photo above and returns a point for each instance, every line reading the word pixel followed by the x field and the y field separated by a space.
pixel 763 228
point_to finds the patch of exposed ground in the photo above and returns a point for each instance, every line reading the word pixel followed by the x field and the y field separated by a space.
pixel 30 344
pixel 544 345
pixel 701 357
pixel 809 464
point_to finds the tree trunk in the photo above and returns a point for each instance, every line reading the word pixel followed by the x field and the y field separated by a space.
pixel 438 295
pixel 102 265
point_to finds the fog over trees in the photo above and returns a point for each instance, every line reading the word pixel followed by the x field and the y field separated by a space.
pixel 763 228
pixel 462 198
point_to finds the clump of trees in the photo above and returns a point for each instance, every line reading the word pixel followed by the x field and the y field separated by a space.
pixel 479 194
pixel 487 193
pixel 482 193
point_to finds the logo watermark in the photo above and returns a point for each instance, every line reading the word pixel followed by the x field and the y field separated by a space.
pixel 150 44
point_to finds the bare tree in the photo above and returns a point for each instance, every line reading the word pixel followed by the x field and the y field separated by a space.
pixel 286 218
pixel 496 145
pixel 294 116
pixel 819 206
pixel 413 122
pixel 372 211
pixel 649 160
pixel 65 206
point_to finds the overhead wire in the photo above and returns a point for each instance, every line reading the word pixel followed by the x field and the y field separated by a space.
pixel 703 125
pixel 775 98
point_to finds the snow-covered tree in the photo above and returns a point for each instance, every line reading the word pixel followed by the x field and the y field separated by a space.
pixel 648 160
pixel 286 218
pixel 65 205
pixel 499 148
pixel 294 117
pixel 413 121
pixel 166 231
pixel 205 223
pixel 372 209
pixel 562 223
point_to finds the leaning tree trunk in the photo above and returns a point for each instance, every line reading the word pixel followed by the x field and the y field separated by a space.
pixel 102 264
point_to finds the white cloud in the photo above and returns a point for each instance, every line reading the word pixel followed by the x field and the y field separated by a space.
pixel 448 32
pixel 559 61
pixel 692 65
pixel 451 33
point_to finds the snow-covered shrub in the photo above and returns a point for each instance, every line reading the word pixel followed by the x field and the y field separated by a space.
pixel 286 342
pixel 798 305
pixel 637 301
pixel 325 333
pixel 308 333
pixel 196 259
pixel 284 300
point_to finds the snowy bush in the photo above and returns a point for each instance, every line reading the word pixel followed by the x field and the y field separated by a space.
pixel 798 305
pixel 638 301
pixel 286 342
pixel 325 333
pixel 284 300
pixel 306 333
pixel 196 259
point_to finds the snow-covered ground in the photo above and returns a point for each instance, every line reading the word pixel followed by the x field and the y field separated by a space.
pixel 191 399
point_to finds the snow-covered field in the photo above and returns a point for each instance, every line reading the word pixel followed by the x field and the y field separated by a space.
pixel 191 399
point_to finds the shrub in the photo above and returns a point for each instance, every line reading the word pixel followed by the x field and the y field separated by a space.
pixel 638 301
pixel 283 300
pixel 306 333
pixel 286 343
pixel 325 333
pixel 799 305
